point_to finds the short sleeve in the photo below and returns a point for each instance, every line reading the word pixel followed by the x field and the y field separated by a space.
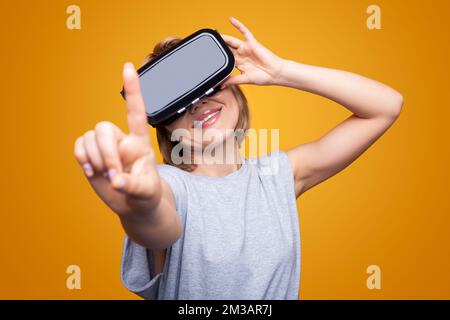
pixel 286 172
pixel 274 163
pixel 277 167
pixel 178 182
pixel 137 272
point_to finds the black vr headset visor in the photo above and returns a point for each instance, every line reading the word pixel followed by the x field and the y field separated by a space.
pixel 179 77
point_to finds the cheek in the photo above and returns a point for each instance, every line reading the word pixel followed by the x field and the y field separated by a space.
pixel 180 123
pixel 231 116
pixel 234 115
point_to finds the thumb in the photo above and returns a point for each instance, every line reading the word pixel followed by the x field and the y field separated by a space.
pixel 138 186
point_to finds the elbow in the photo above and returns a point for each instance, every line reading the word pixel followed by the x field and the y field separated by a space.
pixel 398 105
pixel 395 106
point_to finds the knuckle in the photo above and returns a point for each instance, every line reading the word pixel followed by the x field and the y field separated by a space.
pixel 78 148
pixel 78 151
pixel 77 143
pixel 131 187
pixel 98 164
pixel 151 155
pixel 110 161
pixel 89 134
pixel 154 185
pixel 103 125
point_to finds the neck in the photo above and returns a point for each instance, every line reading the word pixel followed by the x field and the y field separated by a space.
pixel 230 163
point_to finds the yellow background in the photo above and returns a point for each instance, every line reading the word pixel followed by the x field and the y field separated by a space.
pixel 389 208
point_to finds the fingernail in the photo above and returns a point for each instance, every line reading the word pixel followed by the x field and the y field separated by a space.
pixel 111 173
pixel 129 67
pixel 88 170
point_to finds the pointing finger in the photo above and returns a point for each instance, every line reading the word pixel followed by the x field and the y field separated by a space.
pixel 137 117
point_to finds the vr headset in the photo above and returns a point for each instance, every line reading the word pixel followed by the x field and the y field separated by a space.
pixel 181 76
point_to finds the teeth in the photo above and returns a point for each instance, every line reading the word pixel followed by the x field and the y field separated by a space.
pixel 209 116
pixel 200 123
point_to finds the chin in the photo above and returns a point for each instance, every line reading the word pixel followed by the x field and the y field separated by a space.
pixel 217 135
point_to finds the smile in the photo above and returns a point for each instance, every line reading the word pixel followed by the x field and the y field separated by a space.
pixel 207 118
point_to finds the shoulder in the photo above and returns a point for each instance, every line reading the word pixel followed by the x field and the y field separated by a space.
pixel 275 163
pixel 176 178
pixel 170 171
pixel 274 170
pixel 172 174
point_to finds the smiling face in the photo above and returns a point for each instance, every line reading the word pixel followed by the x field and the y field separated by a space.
pixel 215 115
pixel 234 112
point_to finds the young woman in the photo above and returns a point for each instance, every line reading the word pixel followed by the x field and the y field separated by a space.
pixel 225 230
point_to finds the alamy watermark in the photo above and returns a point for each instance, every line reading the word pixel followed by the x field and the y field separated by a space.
pixel 373 21
pixel 73 21
pixel 374 279
pixel 215 146
pixel 73 281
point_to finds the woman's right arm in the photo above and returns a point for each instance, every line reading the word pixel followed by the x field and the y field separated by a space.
pixel 122 170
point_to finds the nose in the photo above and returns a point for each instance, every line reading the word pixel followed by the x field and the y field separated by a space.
pixel 193 108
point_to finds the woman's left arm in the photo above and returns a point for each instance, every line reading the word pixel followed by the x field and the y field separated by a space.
pixel 374 106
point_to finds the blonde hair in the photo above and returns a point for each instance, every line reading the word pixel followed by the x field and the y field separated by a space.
pixel 163 134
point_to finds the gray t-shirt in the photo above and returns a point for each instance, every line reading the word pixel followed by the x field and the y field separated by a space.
pixel 240 239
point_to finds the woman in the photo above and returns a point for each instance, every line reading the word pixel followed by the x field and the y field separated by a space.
pixel 225 230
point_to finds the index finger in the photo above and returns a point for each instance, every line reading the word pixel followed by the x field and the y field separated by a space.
pixel 248 36
pixel 137 117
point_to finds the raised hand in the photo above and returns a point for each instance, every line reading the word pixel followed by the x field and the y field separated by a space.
pixel 121 167
pixel 257 64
